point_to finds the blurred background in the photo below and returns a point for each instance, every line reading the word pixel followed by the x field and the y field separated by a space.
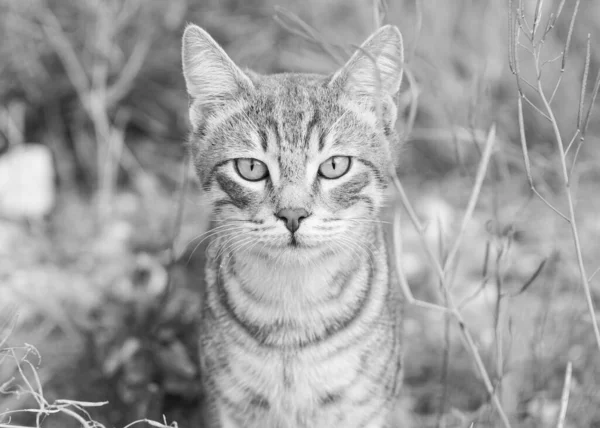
pixel 101 219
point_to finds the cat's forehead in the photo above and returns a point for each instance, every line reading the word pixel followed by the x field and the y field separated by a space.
pixel 293 106
pixel 284 85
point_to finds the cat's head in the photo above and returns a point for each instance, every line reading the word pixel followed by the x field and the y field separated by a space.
pixel 293 162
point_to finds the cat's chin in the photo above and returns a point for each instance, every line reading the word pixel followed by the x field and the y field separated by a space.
pixel 293 250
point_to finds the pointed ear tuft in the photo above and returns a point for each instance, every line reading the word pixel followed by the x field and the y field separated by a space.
pixel 210 75
pixel 382 54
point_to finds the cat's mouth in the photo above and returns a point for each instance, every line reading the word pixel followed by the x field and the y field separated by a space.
pixel 296 242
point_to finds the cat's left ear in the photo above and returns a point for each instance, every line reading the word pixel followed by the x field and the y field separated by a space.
pixel 379 61
pixel 211 77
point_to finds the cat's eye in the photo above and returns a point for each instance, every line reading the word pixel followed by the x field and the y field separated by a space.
pixel 251 169
pixel 334 167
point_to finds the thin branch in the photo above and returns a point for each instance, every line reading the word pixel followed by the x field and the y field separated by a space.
pixel 121 87
pixel 594 274
pixel 437 267
pixel 467 299
pixel 511 35
pixel 549 25
pixel 549 205
pixel 550 61
pixel 556 86
pixel 408 295
pixel 528 49
pixel 584 79
pixel 571 206
pixel 481 171
pixel 532 278
pixel 584 127
pixel 559 11
pixel 592 104
pixel 569 36
pixel 573 139
pixel 522 79
pixel 292 23
pixel 564 398
pixel 523 24
pixel 537 17
pixel 414 100
pixel 527 162
pixel 418 27
pixel 536 108
pixel 63 47
pixel 380 10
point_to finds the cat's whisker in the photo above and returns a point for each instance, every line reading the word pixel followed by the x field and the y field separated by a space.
pixel 207 235
pixel 367 220
pixel 224 234
pixel 359 243
pixel 224 245
pixel 354 248
pixel 240 245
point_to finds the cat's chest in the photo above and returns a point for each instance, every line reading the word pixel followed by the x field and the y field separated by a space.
pixel 302 376
pixel 299 389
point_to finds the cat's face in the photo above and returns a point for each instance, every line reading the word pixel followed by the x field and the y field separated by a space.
pixel 293 162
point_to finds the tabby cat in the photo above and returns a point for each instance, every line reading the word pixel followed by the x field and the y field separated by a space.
pixel 300 325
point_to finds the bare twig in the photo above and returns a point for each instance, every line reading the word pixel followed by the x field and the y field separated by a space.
pixel 418 28
pixel 443 276
pixel 532 278
pixel 292 23
pixel 569 36
pixel 536 108
pixel 63 47
pixel 562 152
pixel 121 87
pixel 525 150
pixel 572 218
pixel 564 399
pixel 536 17
pixel 584 79
pixel 380 10
pixel 481 171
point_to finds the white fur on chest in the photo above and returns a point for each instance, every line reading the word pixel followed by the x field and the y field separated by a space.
pixel 295 384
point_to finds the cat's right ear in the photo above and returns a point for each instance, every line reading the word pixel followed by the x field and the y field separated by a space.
pixel 376 66
pixel 211 77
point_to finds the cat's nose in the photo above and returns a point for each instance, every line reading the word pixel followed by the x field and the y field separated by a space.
pixel 292 217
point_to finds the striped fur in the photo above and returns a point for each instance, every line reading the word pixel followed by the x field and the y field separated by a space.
pixel 300 330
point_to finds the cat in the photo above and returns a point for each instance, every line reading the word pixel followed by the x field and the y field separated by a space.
pixel 301 320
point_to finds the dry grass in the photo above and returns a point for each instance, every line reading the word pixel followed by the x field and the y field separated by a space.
pixel 24 382
pixel 500 305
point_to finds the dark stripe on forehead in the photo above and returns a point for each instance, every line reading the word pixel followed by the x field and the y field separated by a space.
pixel 227 132
pixel 314 120
pixel 262 113
pixel 322 141
pixel 264 139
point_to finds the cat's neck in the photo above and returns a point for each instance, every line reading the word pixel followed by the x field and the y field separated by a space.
pixel 307 282
pixel 291 302
pixel 297 277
